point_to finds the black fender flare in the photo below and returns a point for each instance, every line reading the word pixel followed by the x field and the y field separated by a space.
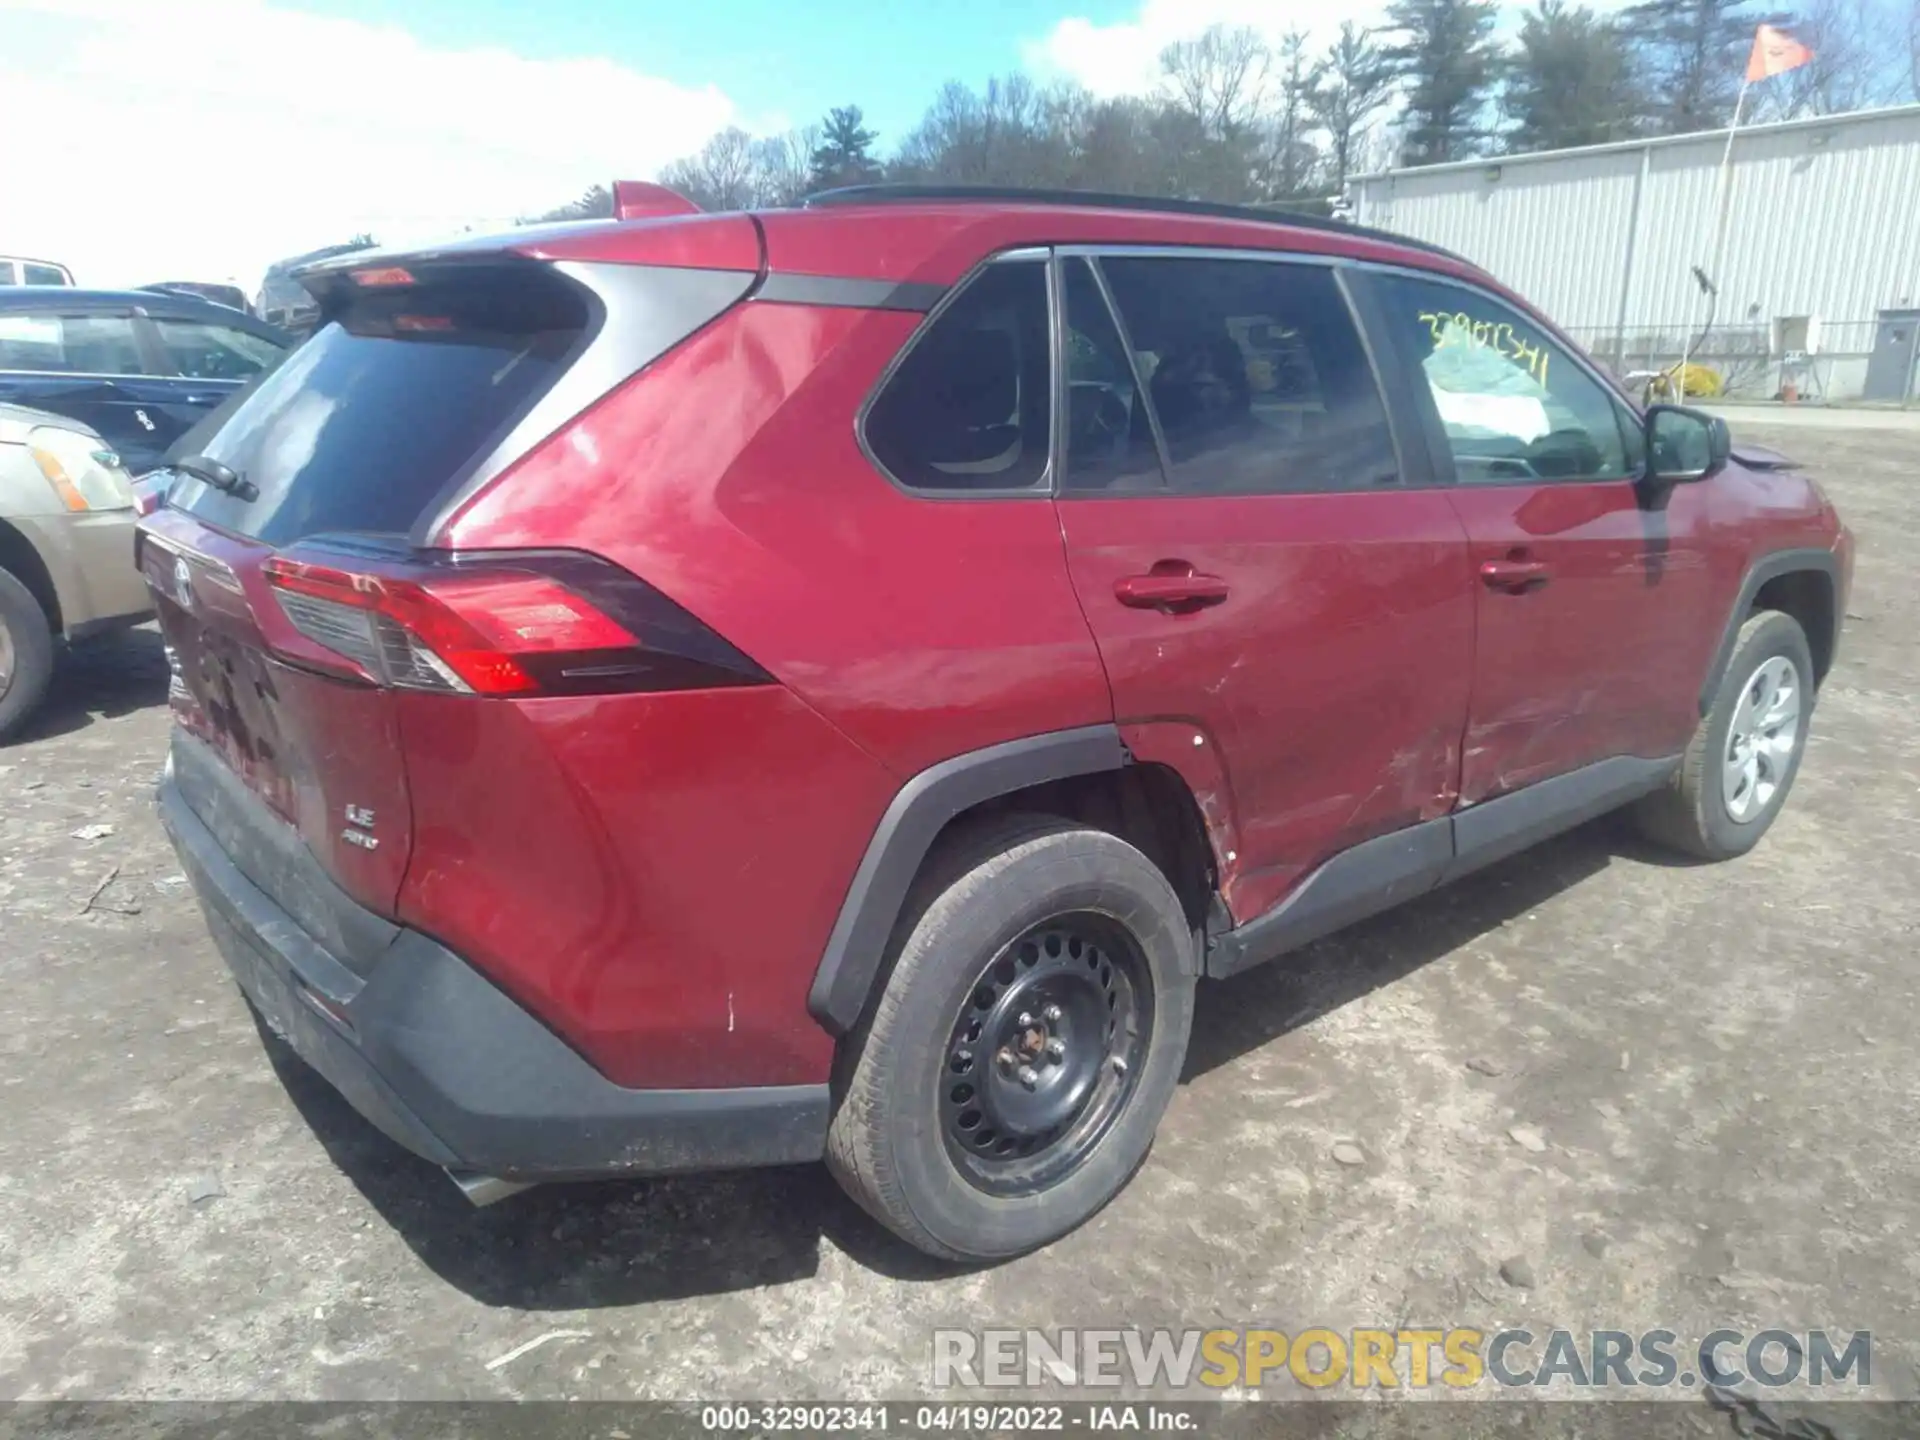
pixel 1765 568
pixel 844 981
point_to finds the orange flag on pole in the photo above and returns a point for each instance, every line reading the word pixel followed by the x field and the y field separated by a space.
pixel 1774 53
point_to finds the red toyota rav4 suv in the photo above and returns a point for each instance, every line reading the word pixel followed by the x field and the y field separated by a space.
pixel 699 690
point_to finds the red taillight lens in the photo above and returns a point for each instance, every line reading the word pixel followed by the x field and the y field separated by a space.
pixel 500 629
pixel 383 275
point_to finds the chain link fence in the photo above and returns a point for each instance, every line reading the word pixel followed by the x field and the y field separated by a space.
pixel 1741 356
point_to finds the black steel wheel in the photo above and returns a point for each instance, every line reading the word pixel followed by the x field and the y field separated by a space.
pixel 1009 1078
pixel 1045 1053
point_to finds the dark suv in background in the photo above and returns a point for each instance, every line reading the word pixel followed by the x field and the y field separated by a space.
pixel 710 690
pixel 140 367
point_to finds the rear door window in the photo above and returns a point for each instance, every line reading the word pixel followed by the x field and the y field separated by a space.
pixel 74 344
pixel 1257 374
pixel 43 274
pixel 362 426
pixel 1110 442
pixel 204 351
pixel 970 407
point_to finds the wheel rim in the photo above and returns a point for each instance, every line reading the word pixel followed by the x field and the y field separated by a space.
pixel 1045 1053
pixel 1761 739
pixel 6 658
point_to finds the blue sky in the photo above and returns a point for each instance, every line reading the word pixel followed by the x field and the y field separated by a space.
pixel 791 59
pixel 204 139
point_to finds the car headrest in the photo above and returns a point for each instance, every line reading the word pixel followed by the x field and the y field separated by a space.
pixel 979 372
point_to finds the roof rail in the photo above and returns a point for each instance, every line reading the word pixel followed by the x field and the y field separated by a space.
pixel 1101 200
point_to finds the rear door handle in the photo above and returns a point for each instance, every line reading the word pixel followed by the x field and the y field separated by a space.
pixel 1170 592
pixel 1515 577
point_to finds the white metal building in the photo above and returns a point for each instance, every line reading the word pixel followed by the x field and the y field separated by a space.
pixel 1824 223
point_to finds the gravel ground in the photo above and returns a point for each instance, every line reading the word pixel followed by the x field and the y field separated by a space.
pixel 1717 1062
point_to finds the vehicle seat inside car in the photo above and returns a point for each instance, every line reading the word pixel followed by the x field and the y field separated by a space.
pixel 1202 395
pixel 975 424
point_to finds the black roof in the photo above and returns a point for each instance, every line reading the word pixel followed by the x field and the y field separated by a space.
pixel 1100 200
pixel 17 299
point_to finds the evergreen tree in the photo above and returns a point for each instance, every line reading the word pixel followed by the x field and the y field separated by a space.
pixel 1568 81
pixel 844 155
pixel 1692 54
pixel 1444 52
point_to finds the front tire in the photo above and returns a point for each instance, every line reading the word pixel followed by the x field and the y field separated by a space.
pixel 26 654
pixel 1012 1073
pixel 1746 751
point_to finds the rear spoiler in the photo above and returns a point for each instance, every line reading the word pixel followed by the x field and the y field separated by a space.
pixel 641 200
pixel 632 200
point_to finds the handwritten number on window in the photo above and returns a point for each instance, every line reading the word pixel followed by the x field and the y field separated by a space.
pixel 1460 328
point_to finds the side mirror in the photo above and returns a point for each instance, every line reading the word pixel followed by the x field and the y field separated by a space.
pixel 1685 444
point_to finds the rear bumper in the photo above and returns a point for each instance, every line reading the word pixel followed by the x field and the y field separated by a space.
pixel 446 1064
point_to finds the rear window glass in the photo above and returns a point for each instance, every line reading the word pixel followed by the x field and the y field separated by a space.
pixel 364 424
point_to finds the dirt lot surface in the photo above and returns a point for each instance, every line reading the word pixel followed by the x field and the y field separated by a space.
pixel 1719 1061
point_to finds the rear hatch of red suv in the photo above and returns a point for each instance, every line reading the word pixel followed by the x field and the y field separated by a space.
pixel 297 597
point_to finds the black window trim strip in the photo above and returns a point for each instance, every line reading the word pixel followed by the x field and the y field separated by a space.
pixel 847 292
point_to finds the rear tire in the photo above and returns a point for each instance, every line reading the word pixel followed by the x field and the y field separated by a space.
pixel 1745 753
pixel 980 1111
pixel 26 654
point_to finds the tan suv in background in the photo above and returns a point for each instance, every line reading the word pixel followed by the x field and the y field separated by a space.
pixel 66 550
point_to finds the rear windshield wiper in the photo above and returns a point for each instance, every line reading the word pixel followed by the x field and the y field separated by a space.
pixel 221 477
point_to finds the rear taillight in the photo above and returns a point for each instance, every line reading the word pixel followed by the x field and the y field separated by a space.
pixel 542 624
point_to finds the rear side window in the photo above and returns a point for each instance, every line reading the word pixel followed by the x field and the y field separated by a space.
pixel 363 425
pixel 203 351
pixel 1257 374
pixel 33 274
pixel 970 406
pixel 70 344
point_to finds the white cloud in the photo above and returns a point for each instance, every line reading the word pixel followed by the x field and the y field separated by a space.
pixel 203 139
pixel 1123 58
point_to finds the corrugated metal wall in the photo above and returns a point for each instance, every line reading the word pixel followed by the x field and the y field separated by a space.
pixel 1825 221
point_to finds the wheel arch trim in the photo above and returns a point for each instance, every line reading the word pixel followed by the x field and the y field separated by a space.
pixel 850 964
pixel 1764 568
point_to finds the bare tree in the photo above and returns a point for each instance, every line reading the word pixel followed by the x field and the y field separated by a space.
pixel 1291 156
pixel 783 166
pixel 1012 133
pixel 721 176
pixel 1690 55
pixel 1355 81
pixel 1857 61
pixel 1220 78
